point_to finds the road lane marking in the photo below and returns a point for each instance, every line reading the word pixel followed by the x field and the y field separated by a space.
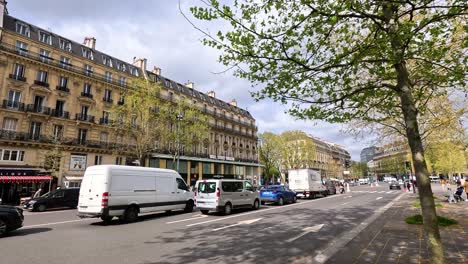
pixel 337 243
pixel 378 198
pixel 382 192
pixel 188 219
pixel 390 192
pixel 373 192
pixel 59 223
pixel 245 222
pixel 345 203
pixel 347 197
pixel 260 211
pixel 306 230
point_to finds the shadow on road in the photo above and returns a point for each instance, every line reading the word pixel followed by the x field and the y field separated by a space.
pixel 262 242
pixel 143 218
pixel 28 231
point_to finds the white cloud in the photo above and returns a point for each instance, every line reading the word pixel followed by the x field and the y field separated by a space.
pixel 157 31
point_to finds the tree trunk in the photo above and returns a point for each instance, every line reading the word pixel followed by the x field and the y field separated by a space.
pixel 431 228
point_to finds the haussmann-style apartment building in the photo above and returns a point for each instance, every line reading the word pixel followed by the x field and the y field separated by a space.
pixel 56 96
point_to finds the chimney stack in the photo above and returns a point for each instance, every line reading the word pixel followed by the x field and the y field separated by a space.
pixel 156 71
pixel 140 63
pixel 189 84
pixel 212 94
pixel 233 102
pixel 3 12
pixel 90 42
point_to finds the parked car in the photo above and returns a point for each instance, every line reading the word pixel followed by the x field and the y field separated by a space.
pixel 395 185
pixel 331 186
pixel 11 218
pixel 109 191
pixel 435 179
pixel 278 194
pixel 55 199
pixel 223 195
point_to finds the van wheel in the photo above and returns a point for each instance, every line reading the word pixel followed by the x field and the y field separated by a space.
pixel 41 208
pixel 205 212
pixel 256 205
pixel 131 214
pixel 106 219
pixel 263 202
pixel 227 209
pixel 188 206
pixel 294 200
pixel 280 201
pixel 3 228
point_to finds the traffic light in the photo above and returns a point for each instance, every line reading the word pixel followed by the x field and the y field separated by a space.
pixel 408 165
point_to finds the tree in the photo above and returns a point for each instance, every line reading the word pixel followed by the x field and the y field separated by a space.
pixel 298 150
pixel 140 118
pixel 359 169
pixel 447 157
pixel 349 60
pixel 186 129
pixel 270 150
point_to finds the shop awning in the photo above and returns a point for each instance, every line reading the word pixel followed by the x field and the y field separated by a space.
pixel 24 178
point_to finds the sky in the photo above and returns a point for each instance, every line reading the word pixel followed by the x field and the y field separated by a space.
pixel 157 31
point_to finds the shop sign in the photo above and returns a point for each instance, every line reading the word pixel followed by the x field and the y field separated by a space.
pixel 77 162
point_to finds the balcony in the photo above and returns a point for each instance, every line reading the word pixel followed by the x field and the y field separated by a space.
pixel 88 95
pixel 14 105
pixel 62 89
pixel 104 121
pixel 60 114
pixel 41 83
pixel 85 118
pixel 37 109
pixel 108 100
pixel 17 77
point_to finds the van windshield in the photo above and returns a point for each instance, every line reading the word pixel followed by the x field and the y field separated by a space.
pixel 207 187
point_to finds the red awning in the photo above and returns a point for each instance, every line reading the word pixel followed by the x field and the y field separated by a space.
pixel 24 178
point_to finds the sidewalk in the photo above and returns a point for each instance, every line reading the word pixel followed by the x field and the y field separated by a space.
pixel 390 240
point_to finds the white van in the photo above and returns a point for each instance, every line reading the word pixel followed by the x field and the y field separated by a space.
pixel 306 183
pixel 223 195
pixel 124 191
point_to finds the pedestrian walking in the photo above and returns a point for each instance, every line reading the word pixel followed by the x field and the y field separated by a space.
pixel 466 189
pixel 38 193
pixel 444 184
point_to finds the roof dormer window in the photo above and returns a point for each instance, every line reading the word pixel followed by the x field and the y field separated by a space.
pixel 107 61
pixel 121 66
pixel 87 53
pixel 134 71
pixel 45 37
pixel 65 45
pixel 23 29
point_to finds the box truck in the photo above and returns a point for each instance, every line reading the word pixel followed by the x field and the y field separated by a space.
pixel 306 183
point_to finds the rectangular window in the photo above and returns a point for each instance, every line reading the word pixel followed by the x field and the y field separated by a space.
pixel 14 98
pixel 134 71
pixel 118 161
pixel 6 154
pixel 107 95
pixel 63 82
pixel 22 29
pixel 87 89
pixel 121 66
pixel 59 107
pixel 82 136
pixel 65 45
pixel 58 132
pixel 22 48
pixel 44 56
pixel 45 37
pixel 88 69
pixel 108 76
pixel 38 103
pixel 35 130
pixel 97 160
pixel 9 124
pixel 41 76
pixel 18 71
pixel 84 111
pixel 65 62
pixel 122 81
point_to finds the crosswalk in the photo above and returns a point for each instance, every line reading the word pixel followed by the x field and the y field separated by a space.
pixel 386 192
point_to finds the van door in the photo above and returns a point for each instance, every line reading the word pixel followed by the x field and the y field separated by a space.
pixel 233 191
pixel 165 189
pixel 92 187
pixel 249 194
pixel 182 191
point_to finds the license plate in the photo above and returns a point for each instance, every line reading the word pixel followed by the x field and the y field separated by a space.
pixel 83 206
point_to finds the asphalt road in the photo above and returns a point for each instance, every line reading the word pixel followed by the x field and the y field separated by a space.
pixel 306 232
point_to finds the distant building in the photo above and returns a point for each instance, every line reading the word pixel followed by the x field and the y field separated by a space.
pixel 368 154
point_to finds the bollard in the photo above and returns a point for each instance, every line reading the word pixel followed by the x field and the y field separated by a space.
pixel 347 187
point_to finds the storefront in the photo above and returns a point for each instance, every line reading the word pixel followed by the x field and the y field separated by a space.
pixel 17 183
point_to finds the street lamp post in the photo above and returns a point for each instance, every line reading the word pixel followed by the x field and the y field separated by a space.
pixel 179 118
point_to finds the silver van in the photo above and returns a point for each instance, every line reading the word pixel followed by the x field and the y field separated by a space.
pixel 223 195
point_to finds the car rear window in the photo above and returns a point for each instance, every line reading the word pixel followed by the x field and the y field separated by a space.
pixel 207 187
pixel 272 188
pixel 232 186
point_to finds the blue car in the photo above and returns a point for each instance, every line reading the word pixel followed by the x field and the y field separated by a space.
pixel 278 194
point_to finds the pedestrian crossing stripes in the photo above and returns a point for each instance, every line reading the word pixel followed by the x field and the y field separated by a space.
pixel 387 192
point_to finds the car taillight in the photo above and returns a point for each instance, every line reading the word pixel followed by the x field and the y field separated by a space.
pixel 218 193
pixel 105 199
pixel 275 191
